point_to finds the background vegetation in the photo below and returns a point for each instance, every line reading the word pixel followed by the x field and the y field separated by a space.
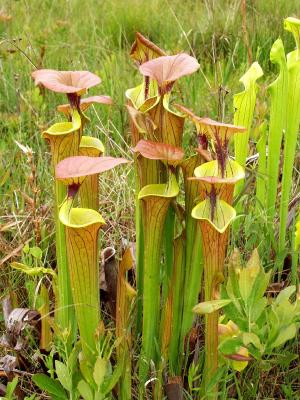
pixel 96 36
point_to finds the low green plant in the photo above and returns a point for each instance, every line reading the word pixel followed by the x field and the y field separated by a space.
pixel 87 379
pixel 262 323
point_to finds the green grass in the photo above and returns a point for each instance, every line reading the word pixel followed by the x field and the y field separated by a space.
pixel 97 35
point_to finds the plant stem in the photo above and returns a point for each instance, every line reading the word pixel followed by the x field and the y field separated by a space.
pixel 139 259
pixel 82 229
pixel 278 92
pixel 155 211
pixel 290 141
pixel 193 250
pixel 176 289
pixel 214 247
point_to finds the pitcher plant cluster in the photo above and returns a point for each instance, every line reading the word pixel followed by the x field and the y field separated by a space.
pixel 185 199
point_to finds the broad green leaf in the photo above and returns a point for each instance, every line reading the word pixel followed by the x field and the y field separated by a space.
pixel 10 388
pixel 259 287
pixel 85 390
pixel 230 345
pixel 245 284
pixel 252 338
pixel 63 375
pixel 232 286
pixel 286 311
pixel 257 308
pixel 285 334
pixel 113 380
pixel 278 91
pixel 26 248
pixel 50 386
pixel 100 371
pixel 248 275
pixel 254 265
pixel 220 215
pixel 87 372
pixel 274 324
pixel 36 252
pixel 244 104
pixel 210 306
pixel 285 294
pixel 73 357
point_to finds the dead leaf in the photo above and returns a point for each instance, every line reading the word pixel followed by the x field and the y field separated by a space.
pixel 174 389
pixel 110 267
pixel 8 363
pixel 5 17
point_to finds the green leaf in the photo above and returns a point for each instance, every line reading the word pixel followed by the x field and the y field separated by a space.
pixel 26 248
pixel 258 308
pixel 210 306
pixel 86 370
pixel 85 390
pixel 252 338
pixel 50 386
pixel 72 361
pixel 63 375
pixel 11 386
pixel 100 370
pixel 285 334
pixel 259 288
pixel 111 383
pixel 285 359
pixel 230 345
pixel 36 252
pixel 285 294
